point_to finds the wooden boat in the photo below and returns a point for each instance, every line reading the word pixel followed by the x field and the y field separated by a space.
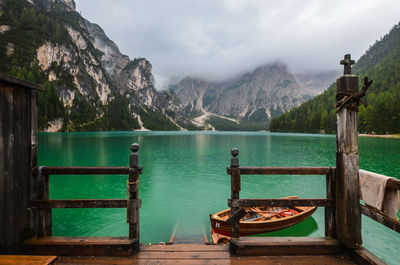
pixel 261 219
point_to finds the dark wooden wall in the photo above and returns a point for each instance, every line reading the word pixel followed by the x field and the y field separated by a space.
pixel 17 153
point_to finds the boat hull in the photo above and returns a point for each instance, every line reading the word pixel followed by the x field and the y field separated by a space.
pixel 220 226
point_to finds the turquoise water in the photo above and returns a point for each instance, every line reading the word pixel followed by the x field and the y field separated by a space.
pixel 185 179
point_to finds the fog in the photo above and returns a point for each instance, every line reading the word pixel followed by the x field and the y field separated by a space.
pixel 218 39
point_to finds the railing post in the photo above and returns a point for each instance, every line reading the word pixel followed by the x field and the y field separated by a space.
pixel 330 211
pixel 44 215
pixel 235 189
pixel 134 203
pixel 348 212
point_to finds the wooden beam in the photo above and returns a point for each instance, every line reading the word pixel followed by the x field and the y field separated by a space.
pixel 34 215
pixel 279 202
pixel 283 170
pixel 85 170
pixel 393 184
pixel 81 246
pixel 380 217
pixel 111 203
pixel 132 210
pixel 330 214
pixel 235 217
pixel 27 260
pixel 364 257
pixel 286 246
pixel 348 213
pixel 19 82
pixel 235 191
pixel 8 169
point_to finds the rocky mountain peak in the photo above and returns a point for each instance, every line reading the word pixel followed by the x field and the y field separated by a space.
pixel 55 5
pixel 254 96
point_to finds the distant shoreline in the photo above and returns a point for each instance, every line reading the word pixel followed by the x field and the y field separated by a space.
pixel 380 135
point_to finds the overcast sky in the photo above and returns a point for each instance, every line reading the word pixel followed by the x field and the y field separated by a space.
pixel 218 39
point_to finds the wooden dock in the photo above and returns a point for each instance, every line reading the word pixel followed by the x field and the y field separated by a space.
pixel 26 208
pixel 201 254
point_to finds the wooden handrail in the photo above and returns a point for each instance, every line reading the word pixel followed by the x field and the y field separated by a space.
pixel 380 217
pixel 86 203
pixel 235 203
pixel 279 202
pixel 132 204
pixel 393 184
pixel 112 170
pixel 283 170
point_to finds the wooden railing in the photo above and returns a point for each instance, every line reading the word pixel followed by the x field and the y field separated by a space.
pixel 380 216
pixel 236 203
pixel 43 204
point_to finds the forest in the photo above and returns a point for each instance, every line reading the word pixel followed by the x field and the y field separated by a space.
pixel 30 27
pixel 379 111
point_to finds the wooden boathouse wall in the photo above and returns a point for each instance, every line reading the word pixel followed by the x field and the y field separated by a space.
pixel 18 148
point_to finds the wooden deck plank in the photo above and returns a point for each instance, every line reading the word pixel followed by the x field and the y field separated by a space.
pixel 27 260
pixel 285 260
pixel 81 246
pixel 182 255
pixel 200 254
pixel 184 247
pixel 282 246
pixel 60 240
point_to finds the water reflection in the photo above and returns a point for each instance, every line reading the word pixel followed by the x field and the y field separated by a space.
pixel 185 178
pixel 305 228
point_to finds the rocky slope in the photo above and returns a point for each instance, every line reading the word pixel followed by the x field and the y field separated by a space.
pixel 89 84
pixel 250 99
pixel 315 83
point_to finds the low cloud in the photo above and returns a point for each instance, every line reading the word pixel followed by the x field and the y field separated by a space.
pixel 218 39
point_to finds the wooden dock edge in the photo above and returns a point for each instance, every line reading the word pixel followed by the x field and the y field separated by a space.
pixel 286 246
pixel 81 246
pixel 300 246
pixel 364 257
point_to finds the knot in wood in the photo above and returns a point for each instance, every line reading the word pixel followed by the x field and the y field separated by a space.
pixel 134 147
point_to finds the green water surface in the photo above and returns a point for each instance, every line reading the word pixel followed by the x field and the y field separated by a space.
pixel 184 180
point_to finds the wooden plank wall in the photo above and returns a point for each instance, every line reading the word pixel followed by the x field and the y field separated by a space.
pixel 15 165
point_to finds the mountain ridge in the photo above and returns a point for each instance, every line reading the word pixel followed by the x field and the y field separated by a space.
pixel 380 112
pixel 90 85
pixel 258 96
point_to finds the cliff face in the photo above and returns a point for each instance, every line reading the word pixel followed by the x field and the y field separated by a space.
pixel 90 84
pixel 55 5
pixel 256 96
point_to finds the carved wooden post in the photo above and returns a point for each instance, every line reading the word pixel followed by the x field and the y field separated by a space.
pixel 348 213
pixel 133 203
pixel 235 189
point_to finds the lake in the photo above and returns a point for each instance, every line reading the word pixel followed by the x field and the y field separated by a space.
pixel 185 179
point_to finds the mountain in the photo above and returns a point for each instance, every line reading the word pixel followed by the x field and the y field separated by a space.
pixel 315 83
pixel 248 101
pixel 380 112
pixel 89 84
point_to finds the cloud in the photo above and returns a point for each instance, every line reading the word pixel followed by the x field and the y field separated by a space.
pixel 218 39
